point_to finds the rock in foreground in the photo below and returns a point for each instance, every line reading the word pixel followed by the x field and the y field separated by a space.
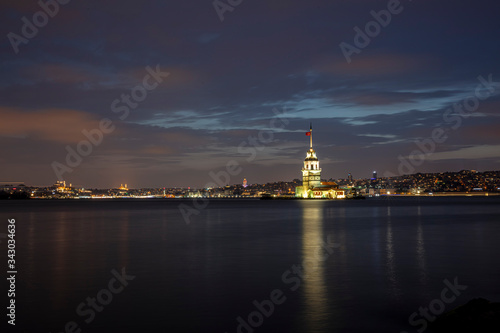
pixel 478 315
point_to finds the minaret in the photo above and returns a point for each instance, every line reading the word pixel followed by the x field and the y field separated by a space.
pixel 311 172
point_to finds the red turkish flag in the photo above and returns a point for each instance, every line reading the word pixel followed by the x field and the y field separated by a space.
pixel 308 133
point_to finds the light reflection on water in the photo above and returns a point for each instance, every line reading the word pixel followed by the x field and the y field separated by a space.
pixel 313 257
pixel 420 253
pixel 392 258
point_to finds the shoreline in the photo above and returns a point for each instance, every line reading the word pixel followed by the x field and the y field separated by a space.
pixel 426 195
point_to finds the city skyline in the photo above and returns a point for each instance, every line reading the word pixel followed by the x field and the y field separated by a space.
pixel 172 93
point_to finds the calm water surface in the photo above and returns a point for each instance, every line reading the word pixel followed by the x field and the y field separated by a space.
pixel 368 264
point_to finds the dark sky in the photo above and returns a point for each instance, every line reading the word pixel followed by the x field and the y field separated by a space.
pixel 225 78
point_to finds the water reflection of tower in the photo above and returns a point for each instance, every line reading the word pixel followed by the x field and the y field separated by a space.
pixel 315 292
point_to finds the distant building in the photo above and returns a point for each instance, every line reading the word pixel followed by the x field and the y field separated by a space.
pixel 60 187
pixel 312 187
pixel 374 175
pixel 8 186
pixel 245 184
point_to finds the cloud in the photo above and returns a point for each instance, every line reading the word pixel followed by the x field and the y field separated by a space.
pixel 158 150
pixel 376 65
pixel 59 73
pixel 226 78
pixel 208 37
pixel 59 125
pixel 468 153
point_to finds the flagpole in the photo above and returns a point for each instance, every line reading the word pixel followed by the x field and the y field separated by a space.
pixel 311 136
